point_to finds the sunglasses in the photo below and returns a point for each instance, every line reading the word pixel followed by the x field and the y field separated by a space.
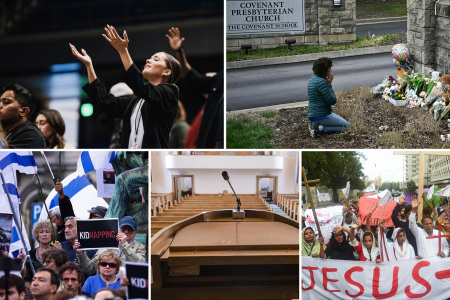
pixel 111 265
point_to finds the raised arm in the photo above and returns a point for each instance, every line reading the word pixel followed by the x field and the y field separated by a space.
pixel 412 217
pixel 120 44
pixel 322 251
pixel 368 227
pixel 176 43
pixel 444 214
pixel 86 61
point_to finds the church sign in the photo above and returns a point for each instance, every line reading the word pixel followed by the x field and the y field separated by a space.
pixel 262 17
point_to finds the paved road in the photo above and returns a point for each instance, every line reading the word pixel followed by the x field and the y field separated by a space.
pixel 380 28
pixel 287 83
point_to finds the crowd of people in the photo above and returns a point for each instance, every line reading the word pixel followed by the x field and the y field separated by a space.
pixel 407 239
pixel 64 271
pixel 151 111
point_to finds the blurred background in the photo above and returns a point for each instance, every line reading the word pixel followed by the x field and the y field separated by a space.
pixel 35 53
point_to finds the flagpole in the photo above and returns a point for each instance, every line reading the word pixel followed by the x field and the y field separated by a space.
pixel 45 204
pixel 17 224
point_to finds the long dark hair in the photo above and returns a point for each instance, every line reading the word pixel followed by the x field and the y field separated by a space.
pixel 55 120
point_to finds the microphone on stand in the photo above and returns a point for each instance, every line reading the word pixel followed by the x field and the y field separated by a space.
pixel 237 213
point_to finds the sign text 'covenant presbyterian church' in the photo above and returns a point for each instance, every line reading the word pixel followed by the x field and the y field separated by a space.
pixel 260 17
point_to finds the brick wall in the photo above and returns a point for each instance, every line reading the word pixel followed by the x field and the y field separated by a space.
pixel 428 34
pixel 324 23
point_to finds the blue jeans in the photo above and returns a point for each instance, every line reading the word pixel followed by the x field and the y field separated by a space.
pixel 333 123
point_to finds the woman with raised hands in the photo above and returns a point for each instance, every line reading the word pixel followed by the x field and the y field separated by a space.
pixel 400 249
pixel 149 116
pixel 339 247
pixel 366 250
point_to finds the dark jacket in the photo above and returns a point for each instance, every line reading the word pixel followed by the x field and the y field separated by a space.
pixel 158 111
pixel 26 136
pixel 66 208
pixel 36 265
pixel 405 225
pixel 211 128
pixel 321 96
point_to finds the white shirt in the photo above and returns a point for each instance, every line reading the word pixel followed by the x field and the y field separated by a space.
pixel 427 247
pixel 136 135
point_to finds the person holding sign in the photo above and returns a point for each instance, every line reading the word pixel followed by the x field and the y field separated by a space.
pixel 108 266
pixel 310 247
pixel 427 247
pixel 130 250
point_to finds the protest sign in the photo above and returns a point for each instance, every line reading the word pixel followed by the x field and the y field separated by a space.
pixel 405 279
pixel 6 223
pixel 323 196
pixel 137 274
pixel 367 204
pixel 329 217
pixel 106 182
pixel 98 233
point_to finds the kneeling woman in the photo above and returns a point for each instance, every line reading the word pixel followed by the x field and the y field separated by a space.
pixel 149 116
pixel 321 97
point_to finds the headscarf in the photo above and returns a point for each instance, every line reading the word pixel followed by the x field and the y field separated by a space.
pixel 374 251
pixel 398 253
pixel 308 249
pixel 334 245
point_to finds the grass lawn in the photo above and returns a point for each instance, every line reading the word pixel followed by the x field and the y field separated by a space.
pixel 395 9
pixel 245 132
pixel 361 42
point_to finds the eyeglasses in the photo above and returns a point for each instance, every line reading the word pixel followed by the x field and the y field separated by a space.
pixel 68 219
pixel 111 265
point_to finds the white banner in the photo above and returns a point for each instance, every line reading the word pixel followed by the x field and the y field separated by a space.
pixel 261 17
pixel 329 217
pixel 406 279
pixel 323 197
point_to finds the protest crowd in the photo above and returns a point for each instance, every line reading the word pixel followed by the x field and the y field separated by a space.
pixel 72 261
pixel 377 245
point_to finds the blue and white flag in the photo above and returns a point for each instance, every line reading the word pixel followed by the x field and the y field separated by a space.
pixel 10 162
pixel 82 194
pixel 94 160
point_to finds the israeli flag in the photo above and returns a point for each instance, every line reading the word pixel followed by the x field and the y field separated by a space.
pixel 82 194
pixel 94 160
pixel 10 162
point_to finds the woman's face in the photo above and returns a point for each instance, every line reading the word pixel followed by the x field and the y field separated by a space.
pixel 44 236
pixel 339 237
pixel 401 237
pixel 446 225
pixel 50 263
pixel 309 235
pixel 44 126
pixel 368 241
pixel 156 66
pixel 108 270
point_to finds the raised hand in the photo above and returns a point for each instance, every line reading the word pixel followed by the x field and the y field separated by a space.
pixel 120 44
pixel 175 39
pixel 59 189
pixel 414 202
pixel 382 222
pixel 84 58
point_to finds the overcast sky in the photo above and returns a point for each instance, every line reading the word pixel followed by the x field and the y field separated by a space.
pixel 383 163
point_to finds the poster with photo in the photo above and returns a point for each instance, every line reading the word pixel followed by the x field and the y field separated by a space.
pixel 5 233
pixel 106 182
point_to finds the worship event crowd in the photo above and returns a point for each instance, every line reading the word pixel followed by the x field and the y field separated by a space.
pixel 63 271
pixel 147 105
pixel 406 240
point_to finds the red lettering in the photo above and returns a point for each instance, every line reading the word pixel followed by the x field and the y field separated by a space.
pixel 311 275
pixel 376 284
pixel 348 278
pixel 420 280
pixel 442 274
pixel 326 279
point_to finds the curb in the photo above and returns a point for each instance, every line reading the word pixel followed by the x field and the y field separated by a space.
pixel 381 20
pixel 306 57
pixel 269 108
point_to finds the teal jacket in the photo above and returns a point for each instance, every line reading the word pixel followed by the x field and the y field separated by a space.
pixel 321 96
